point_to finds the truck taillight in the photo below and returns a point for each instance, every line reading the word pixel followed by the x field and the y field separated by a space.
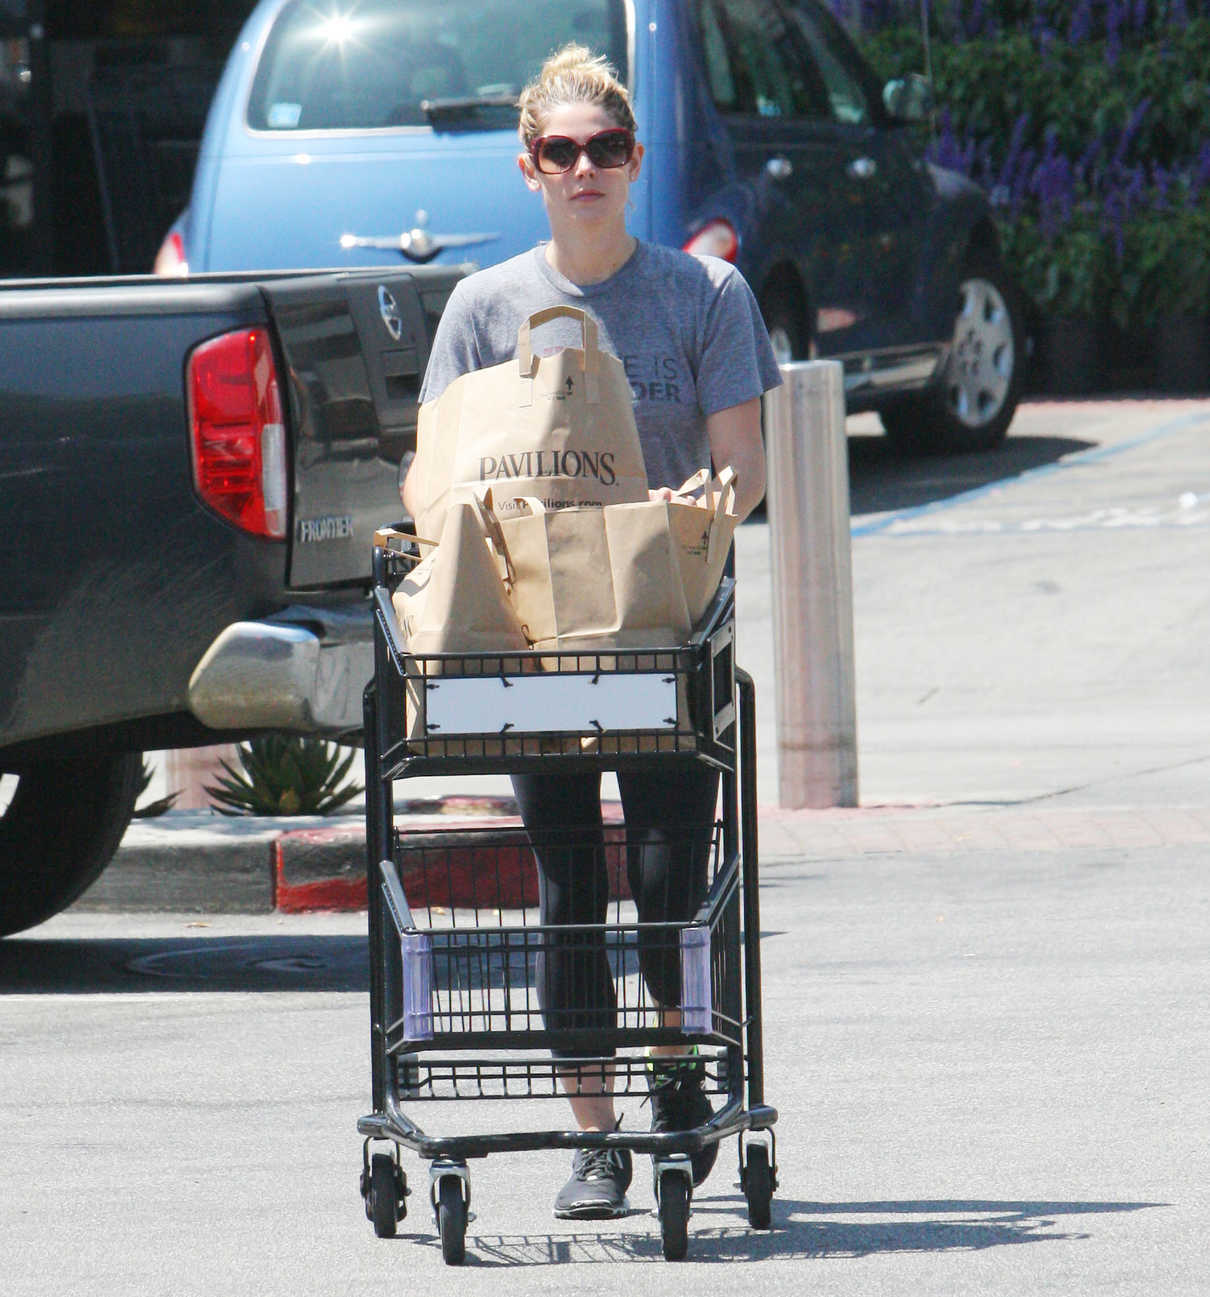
pixel 716 239
pixel 238 435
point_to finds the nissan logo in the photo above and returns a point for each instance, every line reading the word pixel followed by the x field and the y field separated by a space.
pixel 388 308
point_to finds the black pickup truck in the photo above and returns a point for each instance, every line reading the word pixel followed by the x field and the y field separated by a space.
pixel 190 473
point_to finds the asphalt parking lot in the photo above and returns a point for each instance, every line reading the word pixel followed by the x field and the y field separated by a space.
pixel 985 985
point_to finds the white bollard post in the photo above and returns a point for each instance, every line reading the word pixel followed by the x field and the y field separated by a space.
pixel 808 507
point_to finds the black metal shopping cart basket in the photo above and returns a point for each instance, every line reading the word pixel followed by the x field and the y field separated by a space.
pixel 455 939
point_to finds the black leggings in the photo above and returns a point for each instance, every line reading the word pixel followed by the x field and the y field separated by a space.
pixel 669 816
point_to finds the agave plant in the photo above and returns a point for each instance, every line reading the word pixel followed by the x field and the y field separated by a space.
pixel 285 774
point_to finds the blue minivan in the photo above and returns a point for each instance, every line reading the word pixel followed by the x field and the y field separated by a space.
pixel 371 132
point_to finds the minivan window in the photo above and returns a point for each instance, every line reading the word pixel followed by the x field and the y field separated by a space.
pixel 367 64
pixel 837 65
pixel 756 62
pixel 718 65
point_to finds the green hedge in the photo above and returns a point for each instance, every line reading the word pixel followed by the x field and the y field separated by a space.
pixel 1092 135
pixel 987 85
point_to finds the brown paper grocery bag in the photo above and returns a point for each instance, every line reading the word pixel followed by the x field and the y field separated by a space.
pixel 703 532
pixel 594 579
pixel 559 428
pixel 454 600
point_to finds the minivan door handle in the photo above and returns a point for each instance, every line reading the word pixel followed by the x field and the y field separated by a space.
pixel 779 168
pixel 862 168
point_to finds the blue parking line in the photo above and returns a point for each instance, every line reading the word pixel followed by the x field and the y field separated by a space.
pixel 1043 470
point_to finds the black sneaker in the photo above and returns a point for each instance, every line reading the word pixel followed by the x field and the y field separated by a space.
pixel 598 1184
pixel 677 1103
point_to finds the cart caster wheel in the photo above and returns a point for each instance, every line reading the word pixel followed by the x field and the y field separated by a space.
pixel 451 1220
pixel 757 1177
pixel 385 1202
pixel 674 1196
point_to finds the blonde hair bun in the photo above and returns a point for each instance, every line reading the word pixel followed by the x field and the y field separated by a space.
pixel 573 75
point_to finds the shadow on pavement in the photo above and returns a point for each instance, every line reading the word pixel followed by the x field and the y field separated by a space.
pixel 802 1231
pixel 29 966
pixel 880 481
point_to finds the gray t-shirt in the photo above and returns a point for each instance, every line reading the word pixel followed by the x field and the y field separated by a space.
pixel 687 329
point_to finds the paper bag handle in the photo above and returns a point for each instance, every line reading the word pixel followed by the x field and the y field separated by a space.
pixel 691 484
pixel 590 354
pixel 722 487
pixel 482 503
pixel 724 503
pixel 384 537
pixel 588 330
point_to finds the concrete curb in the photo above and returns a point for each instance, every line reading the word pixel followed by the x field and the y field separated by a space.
pixel 187 869
pixel 459 855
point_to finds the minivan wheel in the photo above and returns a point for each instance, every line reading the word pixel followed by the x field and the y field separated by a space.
pixel 972 405
pixel 783 317
pixel 60 828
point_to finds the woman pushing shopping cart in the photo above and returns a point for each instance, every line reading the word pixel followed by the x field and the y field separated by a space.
pixel 640 970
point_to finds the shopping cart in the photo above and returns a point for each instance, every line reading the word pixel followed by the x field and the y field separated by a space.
pixel 455 940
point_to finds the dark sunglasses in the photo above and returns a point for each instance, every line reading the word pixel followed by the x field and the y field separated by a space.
pixel 553 154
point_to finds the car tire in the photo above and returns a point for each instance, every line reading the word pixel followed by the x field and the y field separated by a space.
pixel 972 405
pixel 59 831
pixel 785 321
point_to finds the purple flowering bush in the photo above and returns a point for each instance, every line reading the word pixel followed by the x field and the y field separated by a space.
pixel 1088 123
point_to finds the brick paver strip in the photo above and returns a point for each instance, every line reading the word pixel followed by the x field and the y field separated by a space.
pixel 869 830
pixel 1178 825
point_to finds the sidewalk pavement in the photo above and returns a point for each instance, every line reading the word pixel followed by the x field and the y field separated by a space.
pixel 977 732
pixel 196 861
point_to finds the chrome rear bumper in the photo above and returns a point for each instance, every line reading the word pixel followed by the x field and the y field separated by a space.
pixel 302 670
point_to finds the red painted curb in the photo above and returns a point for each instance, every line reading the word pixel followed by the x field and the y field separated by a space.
pixel 331 894
pixel 448 864
pixel 319 869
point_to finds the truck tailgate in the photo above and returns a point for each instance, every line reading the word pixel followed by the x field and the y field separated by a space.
pixel 355 347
